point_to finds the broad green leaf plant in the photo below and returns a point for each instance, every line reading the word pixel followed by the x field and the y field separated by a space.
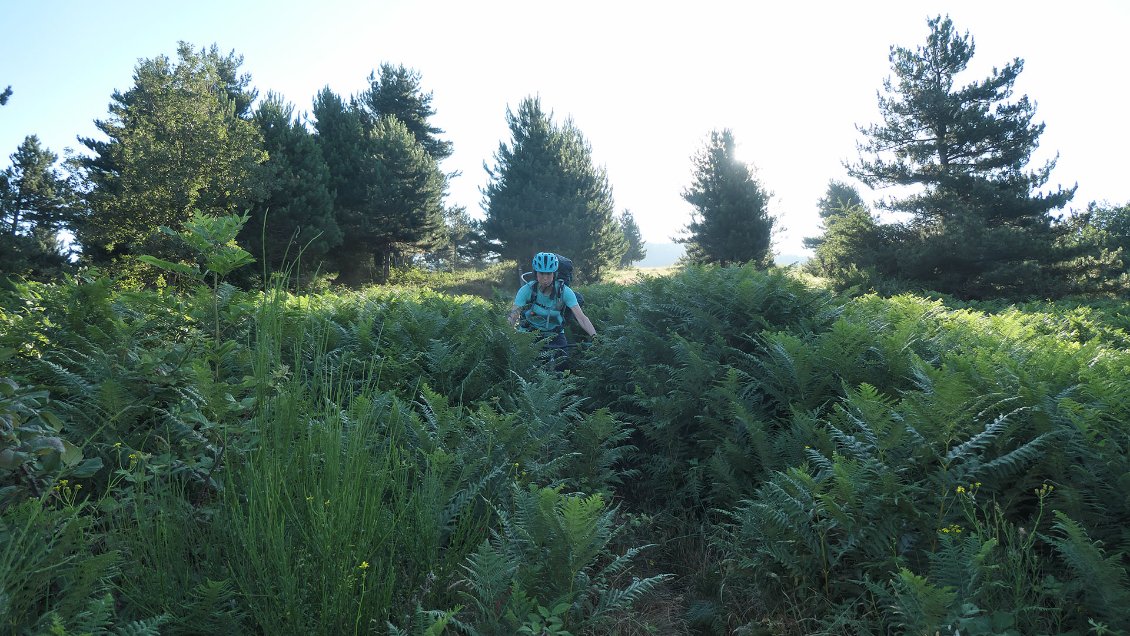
pixel 213 239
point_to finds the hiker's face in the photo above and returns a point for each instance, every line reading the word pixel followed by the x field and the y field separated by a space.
pixel 545 279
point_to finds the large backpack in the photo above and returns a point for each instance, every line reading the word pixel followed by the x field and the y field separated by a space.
pixel 563 277
pixel 564 271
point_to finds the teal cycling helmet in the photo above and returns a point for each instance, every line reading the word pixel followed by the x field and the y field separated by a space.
pixel 545 262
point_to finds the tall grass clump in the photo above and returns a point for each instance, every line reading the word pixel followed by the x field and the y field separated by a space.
pixel 321 514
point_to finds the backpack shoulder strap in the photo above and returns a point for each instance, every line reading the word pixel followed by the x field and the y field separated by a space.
pixel 533 285
pixel 559 294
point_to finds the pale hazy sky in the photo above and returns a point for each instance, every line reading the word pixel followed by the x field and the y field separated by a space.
pixel 645 82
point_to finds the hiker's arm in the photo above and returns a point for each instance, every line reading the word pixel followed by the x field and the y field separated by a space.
pixel 520 299
pixel 584 321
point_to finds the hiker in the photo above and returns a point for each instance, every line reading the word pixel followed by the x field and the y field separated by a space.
pixel 540 305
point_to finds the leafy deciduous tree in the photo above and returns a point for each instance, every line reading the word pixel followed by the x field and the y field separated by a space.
pixel 1114 220
pixel 179 141
pixel 1104 233
pixel 731 221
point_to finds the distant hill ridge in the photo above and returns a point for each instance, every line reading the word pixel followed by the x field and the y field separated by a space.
pixel 661 254
pixel 665 255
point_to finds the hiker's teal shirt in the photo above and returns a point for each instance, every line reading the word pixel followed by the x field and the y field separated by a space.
pixel 543 313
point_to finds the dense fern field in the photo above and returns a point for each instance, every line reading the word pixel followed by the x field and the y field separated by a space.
pixel 737 452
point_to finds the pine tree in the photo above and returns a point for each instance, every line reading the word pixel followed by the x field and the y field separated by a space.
pixel 34 194
pixel 36 203
pixel 294 199
pixel 855 248
pixel 341 138
pixel 635 252
pixel 460 242
pixel 838 199
pixel 388 189
pixel 405 200
pixel 545 194
pixel 179 141
pixel 978 226
pixel 731 222
pixel 396 92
